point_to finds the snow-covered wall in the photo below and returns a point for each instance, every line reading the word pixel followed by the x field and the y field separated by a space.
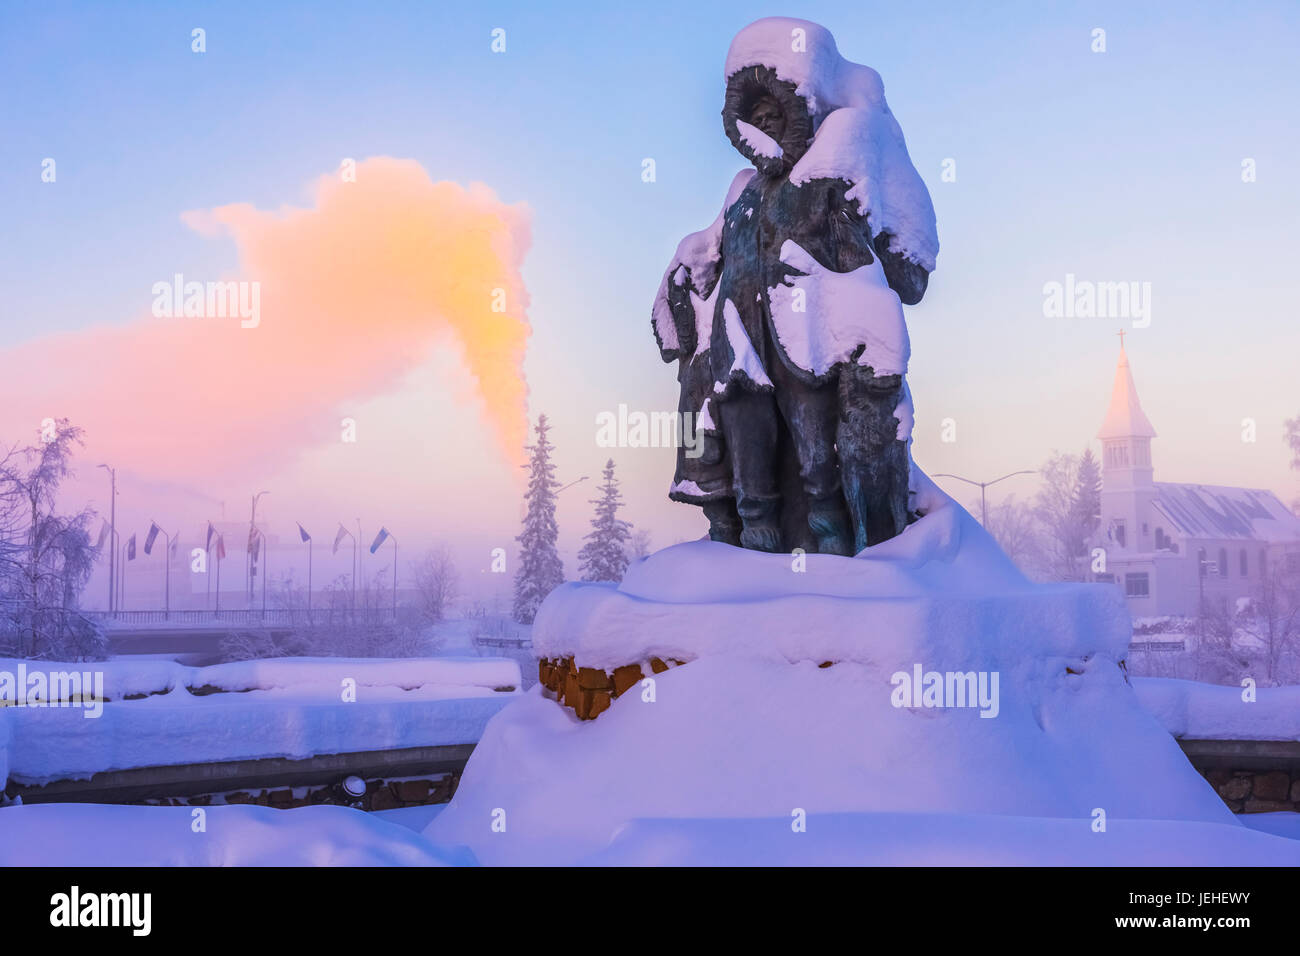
pixel 292 708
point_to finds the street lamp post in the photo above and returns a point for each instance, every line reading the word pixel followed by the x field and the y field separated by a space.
pixel 112 525
pixel 984 507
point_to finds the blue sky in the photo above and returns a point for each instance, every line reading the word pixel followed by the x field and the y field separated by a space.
pixel 1121 165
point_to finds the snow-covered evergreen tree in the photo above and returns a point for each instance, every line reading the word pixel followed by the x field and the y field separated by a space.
pixel 604 556
pixel 540 569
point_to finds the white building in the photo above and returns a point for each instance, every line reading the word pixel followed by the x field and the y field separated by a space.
pixel 1156 534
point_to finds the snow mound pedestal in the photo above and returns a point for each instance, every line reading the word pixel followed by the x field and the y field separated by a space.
pixel 926 675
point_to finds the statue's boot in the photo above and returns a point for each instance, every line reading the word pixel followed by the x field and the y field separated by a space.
pixel 760 525
pixel 724 521
pixel 829 521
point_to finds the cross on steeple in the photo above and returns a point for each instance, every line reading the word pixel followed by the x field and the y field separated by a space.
pixel 1121 333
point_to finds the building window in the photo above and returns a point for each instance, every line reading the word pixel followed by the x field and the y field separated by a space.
pixel 1119 532
pixel 1223 562
pixel 1161 543
pixel 1137 584
pixel 1105 578
pixel 1245 566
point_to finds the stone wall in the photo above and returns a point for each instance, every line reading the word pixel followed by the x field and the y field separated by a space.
pixel 588 690
pixel 380 794
pixel 1256 791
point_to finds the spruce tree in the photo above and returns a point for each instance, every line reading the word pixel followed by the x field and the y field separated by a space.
pixel 1087 497
pixel 604 556
pixel 540 569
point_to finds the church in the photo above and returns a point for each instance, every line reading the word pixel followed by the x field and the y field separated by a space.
pixel 1175 548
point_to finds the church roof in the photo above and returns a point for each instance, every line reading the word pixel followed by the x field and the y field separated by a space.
pixel 1215 511
pixel 1125 418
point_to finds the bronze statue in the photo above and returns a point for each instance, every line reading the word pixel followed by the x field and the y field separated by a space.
pixel 799 385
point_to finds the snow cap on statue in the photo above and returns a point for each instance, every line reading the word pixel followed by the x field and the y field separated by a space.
pixel 837 125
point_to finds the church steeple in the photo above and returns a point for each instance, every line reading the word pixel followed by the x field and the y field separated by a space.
pixel 1127 481
pixel 1125 418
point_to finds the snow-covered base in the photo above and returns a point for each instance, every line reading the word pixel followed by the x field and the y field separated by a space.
pixel 751 729
pixel 73 834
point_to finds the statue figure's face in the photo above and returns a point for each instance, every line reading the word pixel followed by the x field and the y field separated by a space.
pixel 767 116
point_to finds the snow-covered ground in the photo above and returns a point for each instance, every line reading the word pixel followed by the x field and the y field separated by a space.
pixel 91 835
pixel 76 834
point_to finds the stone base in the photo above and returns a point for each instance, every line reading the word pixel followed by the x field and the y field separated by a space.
pixel 588 691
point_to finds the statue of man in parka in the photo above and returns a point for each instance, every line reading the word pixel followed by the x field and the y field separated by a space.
pixel 808 268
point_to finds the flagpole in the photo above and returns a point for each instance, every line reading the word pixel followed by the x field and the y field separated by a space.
pixel 391 535
pixel 309 581
pixel 112 523
pixel 113 538
pixel 167 587
pixel 266 555
pixel 217 614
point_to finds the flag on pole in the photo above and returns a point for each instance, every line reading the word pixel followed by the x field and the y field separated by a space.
pixel 211 532
pixel 171 551
pixel 379 539
pixel 103 533
pixel 151 537
pixel 252 540
pixel 256 549
pixel 338 538
pixel 221 546
pixel 305 536
pixel 130 547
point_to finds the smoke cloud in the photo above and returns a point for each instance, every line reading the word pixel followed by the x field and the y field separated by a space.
pixel 351 295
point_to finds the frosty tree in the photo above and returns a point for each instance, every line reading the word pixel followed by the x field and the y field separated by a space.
pixel 1068 506
pixel 46 557
pixel 540 568
pixel 604 557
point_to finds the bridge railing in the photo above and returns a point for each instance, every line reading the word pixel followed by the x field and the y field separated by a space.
pixel 255 617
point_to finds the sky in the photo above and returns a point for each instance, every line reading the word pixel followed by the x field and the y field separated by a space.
pixel 1122 165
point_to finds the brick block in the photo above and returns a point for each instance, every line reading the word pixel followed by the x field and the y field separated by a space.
pixel 626 677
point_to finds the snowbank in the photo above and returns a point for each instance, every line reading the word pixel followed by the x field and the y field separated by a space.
pixel 297 710
pixel 751 727
pixel 93 835
pixel 1198 711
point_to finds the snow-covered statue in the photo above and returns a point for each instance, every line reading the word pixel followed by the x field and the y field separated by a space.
pixel 785 315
